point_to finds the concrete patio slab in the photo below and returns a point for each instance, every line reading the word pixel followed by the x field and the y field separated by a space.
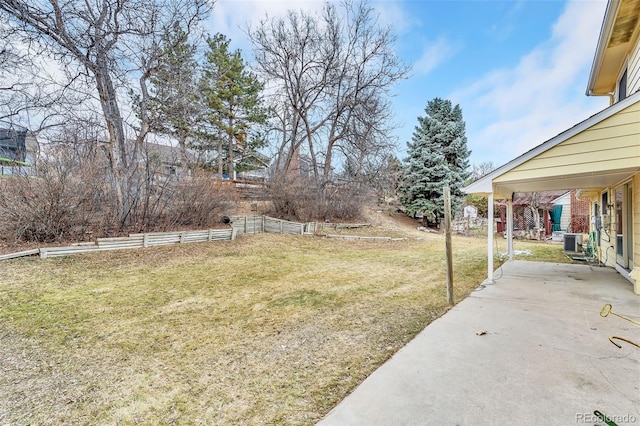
pixel 545 359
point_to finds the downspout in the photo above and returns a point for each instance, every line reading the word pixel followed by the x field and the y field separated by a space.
pixel 490 238
pixel 510 227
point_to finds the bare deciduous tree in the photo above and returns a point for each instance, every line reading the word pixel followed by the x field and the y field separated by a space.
pixel 330 74
pixel 481 169
pixel 95 37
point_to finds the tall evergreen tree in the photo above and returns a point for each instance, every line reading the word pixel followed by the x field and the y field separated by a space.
pixel 232 95
pixel 437 156
pixel 174 109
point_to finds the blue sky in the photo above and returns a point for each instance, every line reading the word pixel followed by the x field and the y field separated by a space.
pixel 518 69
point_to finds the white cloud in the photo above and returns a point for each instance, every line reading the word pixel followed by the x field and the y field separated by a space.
pixel 433 55
pixel 391 13
pixel 510 111
pixel 232 17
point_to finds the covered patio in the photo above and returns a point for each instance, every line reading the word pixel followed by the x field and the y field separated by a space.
pixel 600 158
pixel 546 357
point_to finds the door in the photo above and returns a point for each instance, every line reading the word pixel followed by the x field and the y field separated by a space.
pixel 624 225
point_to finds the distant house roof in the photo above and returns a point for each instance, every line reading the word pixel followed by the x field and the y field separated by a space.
pixel 544 197
pixel 166 153
pixel 261 158
pixel 17 144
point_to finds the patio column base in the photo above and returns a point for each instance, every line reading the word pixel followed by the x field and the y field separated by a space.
pixel 635 276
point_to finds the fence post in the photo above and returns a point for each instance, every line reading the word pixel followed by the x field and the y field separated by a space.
pixel 145 240
pixel 182 235
pixel 234 232
pixel 447 233
pixel 43 253
pixel 211 233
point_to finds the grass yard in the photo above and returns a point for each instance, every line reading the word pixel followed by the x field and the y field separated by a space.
pixel 267 329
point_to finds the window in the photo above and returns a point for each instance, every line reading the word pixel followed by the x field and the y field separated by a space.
pixel 622 86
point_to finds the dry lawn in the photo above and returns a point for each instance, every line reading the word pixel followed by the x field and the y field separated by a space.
pixel 267 329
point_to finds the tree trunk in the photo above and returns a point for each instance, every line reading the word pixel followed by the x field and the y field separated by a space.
pixel 327 159
pixel 117 143
pixel 230 153
pixel 220 162
pixel 184 160
pixel 145 121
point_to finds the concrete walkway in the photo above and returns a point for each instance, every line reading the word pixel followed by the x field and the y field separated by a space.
pixel 545 360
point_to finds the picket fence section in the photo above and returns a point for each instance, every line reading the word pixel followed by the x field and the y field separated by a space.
pixel 239 224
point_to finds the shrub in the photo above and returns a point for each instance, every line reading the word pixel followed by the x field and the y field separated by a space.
pixel 56 204
pixel 302 200
pixel 66 199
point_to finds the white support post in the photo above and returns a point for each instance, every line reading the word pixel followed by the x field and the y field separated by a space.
pixel 490 238
pixel 510 228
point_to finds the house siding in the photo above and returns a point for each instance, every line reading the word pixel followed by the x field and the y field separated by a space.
pixel 565 217
pixel 611 144
pixel 633 69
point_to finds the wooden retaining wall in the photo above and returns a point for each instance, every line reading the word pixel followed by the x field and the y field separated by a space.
pixel 149 239
pixel 132 241
pixel 239 224
pixel 258 224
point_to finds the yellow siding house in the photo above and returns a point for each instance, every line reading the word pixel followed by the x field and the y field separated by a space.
pixel 599 156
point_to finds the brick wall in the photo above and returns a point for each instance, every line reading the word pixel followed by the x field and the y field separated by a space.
pixel 579 214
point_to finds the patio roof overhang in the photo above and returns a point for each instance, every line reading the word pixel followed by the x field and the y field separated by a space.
pixel 596 153
pixel 588 182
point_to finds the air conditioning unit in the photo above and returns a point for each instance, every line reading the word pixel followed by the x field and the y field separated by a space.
pixel 572 243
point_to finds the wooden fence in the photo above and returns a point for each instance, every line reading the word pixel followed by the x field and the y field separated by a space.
pixel 239 224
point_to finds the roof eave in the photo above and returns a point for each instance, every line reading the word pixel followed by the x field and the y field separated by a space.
pixel 484 185
pixel 603 41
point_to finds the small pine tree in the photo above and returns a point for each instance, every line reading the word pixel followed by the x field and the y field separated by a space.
pixel 437 156
pixel 173 107
pixel 233 95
